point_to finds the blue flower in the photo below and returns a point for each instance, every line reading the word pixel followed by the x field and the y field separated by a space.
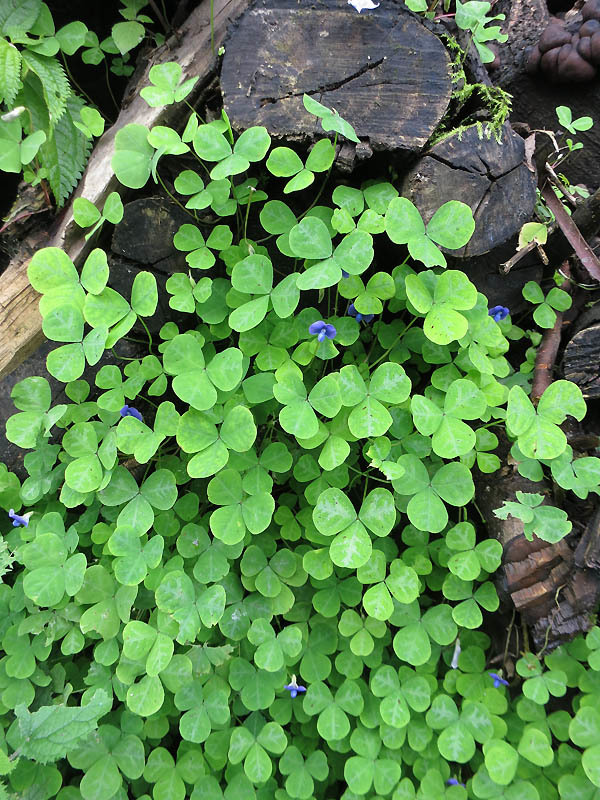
pixel 294 688
pixel 130 411
pixel 20 519
pixel 498 680
pixel 498 313
pixel 345 274
pixel 454 782
pixel 322 329
pixel 354 313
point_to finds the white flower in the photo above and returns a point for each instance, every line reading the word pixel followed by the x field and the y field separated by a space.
pixel 360 5
pixel 13 114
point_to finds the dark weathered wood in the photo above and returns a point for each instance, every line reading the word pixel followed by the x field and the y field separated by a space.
pixel 540 580
pixel 384 72
pixel 491 177
pixel 525 21
pixel 586 255
pixel 20 322
pixel 588 549
pixel 535 98
pixel 587 219
pixel 574 602
pixel 545 359
pixel 581 361
pixel 145 234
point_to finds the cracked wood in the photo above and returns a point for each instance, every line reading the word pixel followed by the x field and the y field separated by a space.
pixel 385 73
pixel 490 177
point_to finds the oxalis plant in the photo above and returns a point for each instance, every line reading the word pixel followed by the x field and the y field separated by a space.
pixel 247 565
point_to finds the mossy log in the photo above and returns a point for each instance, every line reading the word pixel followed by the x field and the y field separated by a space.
pixel 384 72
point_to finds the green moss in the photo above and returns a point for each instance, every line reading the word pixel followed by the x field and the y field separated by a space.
pixel 495 100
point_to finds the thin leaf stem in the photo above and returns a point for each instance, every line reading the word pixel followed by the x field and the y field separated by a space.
pixel 173 198
pixel 76 85
pixel 324 183
pixel 367 475
pixel 140 319
pixel 109 87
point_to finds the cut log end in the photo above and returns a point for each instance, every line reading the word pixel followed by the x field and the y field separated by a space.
pixel 386 74
pixel 581 359
pixel 489 176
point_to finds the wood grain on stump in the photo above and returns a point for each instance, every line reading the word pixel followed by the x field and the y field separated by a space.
pixel 490 177
pixel 385 73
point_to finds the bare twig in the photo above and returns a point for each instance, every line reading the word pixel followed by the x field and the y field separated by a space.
pixel 159 16
pixel 505 268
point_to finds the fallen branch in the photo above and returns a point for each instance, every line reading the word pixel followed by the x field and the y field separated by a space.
pixel 568 226
pixel 546 354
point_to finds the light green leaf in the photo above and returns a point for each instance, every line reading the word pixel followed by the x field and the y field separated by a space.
pixel 352 547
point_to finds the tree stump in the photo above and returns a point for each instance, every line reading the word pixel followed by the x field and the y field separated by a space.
pixel 490 177
pixel 524 24
pixel 385 73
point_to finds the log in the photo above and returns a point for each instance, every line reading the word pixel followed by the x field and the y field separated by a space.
pixel 524 24
pixel 491 177
pixel 122 275
pixel 20 322
pixel 145 234
pixel 581 361
pixel 542 581
pixel 384 72
pixel 588 549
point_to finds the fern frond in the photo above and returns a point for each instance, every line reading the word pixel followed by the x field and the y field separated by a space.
pixel 55 85
pixel 65 154
pixel 17 17
pixel 10 72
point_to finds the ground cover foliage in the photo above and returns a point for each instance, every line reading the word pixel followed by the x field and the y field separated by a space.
pixel 247 565
pixel 46 129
